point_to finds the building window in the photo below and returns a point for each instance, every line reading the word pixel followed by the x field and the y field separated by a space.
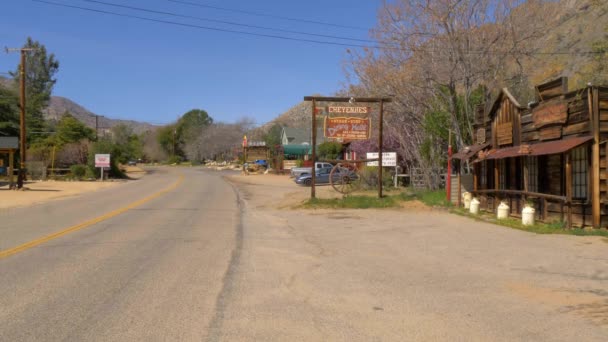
pixel 580 168
pixel 502 174
pixel 533 174
pixel 483 176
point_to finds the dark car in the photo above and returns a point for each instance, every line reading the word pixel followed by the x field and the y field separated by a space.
pixel 322 176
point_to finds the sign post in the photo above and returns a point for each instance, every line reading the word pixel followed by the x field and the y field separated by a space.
pixel 347 127
pixel 102 161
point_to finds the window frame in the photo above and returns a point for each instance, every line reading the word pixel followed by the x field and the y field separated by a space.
pixel 580 173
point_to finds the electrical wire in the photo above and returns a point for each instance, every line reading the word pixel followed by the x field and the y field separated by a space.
pixel 323 42
pixel 204 27
pixel 266 15
pixel 226 22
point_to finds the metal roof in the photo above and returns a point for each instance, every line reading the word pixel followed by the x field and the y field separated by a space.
pixel 9 143
pixel 540 149
pixel 469 151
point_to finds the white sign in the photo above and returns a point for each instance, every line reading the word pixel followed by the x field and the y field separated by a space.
pixel 102 160
pixel 388 158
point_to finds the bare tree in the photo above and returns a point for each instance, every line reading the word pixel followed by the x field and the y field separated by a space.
pixel 434 54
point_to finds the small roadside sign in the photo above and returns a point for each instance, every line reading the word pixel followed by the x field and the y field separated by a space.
pixel 102 160
pixel 388 158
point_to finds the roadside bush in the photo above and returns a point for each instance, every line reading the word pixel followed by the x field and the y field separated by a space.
pixel 174 160
pixel 102 147
pixel 78 170
pixel 369 177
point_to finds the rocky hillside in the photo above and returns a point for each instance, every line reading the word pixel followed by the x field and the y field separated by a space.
pixel 575 25
pixel 59 105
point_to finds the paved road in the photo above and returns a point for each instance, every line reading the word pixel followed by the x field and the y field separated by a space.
pixel 154 272
pixel 204 261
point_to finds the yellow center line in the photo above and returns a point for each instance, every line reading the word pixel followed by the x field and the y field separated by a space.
pixel 8 252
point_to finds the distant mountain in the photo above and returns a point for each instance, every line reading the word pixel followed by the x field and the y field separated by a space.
pixel 59 105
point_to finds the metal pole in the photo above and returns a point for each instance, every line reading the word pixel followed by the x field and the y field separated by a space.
pixel 314 148
pixel 448 185
pixel 21 177
pixel 380 148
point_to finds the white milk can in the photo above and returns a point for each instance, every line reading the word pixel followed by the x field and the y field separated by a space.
pixel 527 216
pixel 466 198
pixel 503 211
pixel 474 207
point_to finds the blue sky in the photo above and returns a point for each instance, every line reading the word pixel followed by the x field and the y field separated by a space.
pixel 146 71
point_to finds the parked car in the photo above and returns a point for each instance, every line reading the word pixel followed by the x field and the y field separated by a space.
pixel 298 171
pixel 131 163
pixel 323 176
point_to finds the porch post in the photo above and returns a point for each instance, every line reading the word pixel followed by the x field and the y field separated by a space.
pixel 569 188
pixel 496 182
pixel 11 168
pixel 459 183
pixel 595 169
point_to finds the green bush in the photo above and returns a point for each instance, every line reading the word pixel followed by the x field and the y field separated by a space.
pixel 369 177
pixel 330 150
pixel 78 170
pixel 104 146
pixel 174 160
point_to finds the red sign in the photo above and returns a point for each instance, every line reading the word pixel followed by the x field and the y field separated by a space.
pixel 347 128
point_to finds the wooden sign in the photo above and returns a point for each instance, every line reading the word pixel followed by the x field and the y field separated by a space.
pixel 544 115
pixel 550 133
pixel 347 110
pixel 481 136
pixel 347 128
pixel 504 133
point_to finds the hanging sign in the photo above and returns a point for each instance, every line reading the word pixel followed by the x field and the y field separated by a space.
pixel 346 128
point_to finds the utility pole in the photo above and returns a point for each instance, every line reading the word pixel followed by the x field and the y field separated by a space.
pixel 96 127
pixel 22 137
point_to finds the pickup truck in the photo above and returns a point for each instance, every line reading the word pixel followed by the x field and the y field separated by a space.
pixel 298 171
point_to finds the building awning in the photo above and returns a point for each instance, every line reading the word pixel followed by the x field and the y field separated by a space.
pixel 540 149
pixel 469 151
pixel 9 143
pixel 296 150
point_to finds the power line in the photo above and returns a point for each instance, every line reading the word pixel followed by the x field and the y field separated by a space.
pixel 266 15
pixel 204 27
pixel 323 42
pixel 227 22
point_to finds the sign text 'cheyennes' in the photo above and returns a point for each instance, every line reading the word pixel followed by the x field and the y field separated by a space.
pixel 102 160
pixel 347 128
pixel 347 110
pixel 388 158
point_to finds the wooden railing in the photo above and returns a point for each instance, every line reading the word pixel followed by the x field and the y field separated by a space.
pixel 563 200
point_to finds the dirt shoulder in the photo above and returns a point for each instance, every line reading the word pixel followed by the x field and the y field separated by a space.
pixel 281 192
pixel 44 191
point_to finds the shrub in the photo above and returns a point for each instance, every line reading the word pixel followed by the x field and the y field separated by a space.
pixel 78 170
pixel 174 160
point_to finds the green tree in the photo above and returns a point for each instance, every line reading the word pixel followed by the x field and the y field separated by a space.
pixel 168 140
pixel 69 130
pixel 329 150
pixel 191 125
pixel 273 137
pixel 40 71
pixel 9 112
pixel 128 146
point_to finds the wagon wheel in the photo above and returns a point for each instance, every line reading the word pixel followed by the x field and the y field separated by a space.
pixel 344 178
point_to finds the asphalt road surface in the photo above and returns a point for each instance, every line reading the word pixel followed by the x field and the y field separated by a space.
pixel 184 255
pixel 154 272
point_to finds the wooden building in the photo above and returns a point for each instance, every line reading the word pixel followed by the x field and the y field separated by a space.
pixel 551 154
